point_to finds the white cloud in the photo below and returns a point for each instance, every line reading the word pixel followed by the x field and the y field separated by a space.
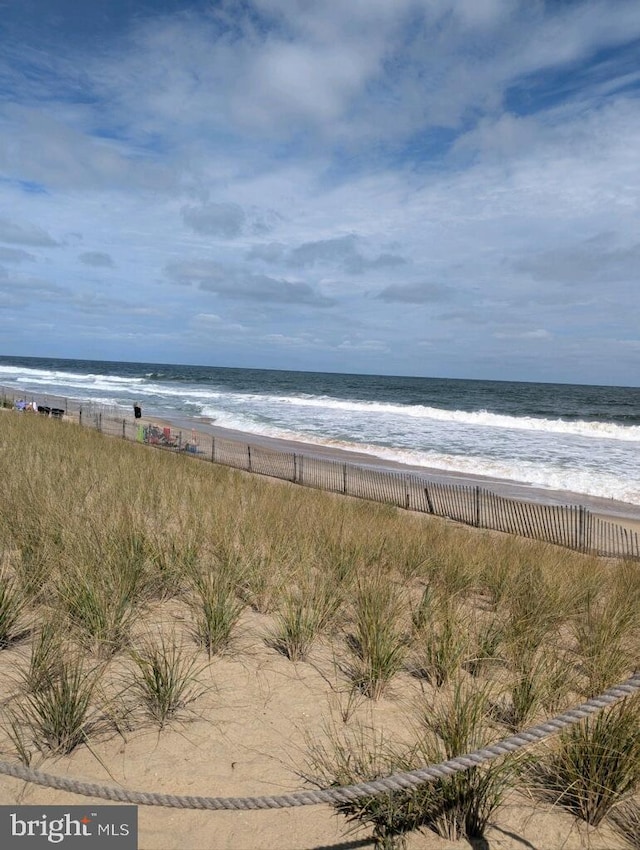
pixel 243 284
pixel 537 333
pixel 72 157
pixel 420 167
pixel 373 345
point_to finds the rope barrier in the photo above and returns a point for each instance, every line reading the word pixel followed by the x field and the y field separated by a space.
pixel 395 782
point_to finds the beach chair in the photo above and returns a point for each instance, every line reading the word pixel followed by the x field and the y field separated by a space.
pixel 168 439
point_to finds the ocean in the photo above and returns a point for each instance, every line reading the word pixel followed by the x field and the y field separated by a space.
pixel 585 439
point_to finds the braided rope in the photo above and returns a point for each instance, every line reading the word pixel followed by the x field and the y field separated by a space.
pixel 395 782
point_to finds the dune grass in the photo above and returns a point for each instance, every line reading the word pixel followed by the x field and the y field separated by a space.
pixel 595 765
pixel 440 642
pixel 359 754
pixel 378 640
pixel 625 819
pixel 164 677
pixel 456 807
pixel 102 539
pixel 461 805
pixel 12 604
pixel 55 711
pixel 307 611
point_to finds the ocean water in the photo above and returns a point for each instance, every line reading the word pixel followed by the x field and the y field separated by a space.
pixel 585 439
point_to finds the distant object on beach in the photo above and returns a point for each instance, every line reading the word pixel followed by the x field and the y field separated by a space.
pixel 137 410
pixel 562 437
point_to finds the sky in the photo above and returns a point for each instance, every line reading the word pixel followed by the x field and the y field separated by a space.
pixel 444 188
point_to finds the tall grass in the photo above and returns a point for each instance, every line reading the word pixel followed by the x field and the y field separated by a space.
pixel 265 566
pixel 595 765
pixel 48 650
pixel 174 556
pixel 540 686
pixel 103 539
pixel 625 819
pixel 215 607
pixel 362 755
pixel 164 678
pixel 305 613
pixel 57 714
pixel 12 604
pixel 485 645
pixel 457 807
pixel 535 608
pixel 605 648
pixel 100 609
pixel 462 805
pixel 378 641
pixel 441 643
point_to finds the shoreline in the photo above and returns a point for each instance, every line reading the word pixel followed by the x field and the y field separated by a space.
pixel 607 509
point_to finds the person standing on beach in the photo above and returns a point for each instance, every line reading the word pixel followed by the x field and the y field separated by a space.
pixel 137 409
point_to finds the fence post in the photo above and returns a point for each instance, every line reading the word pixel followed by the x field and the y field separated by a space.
pixel 301 469
pixel 344 478
pixel 124 433
pixel 295 467
pixel 581 529
pixel 249 458
pixel 213 450
pixel 406 492
pixel 429 502
pixel 477 523
pixel 588 530
pixel 100 421
pixel 80 417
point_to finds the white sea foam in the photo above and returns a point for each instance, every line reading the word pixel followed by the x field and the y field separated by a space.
pixel 576 474
pixel 591 457
pixel 480 418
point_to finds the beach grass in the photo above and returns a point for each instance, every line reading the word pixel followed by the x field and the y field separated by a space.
pixel 460 806
pixel 12 604
pixel 121 563
pixel 57 714
pixel 164 677
pixel 378 639
pixel 595 765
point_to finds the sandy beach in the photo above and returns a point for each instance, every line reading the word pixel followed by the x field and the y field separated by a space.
pixel 320 424
pixel 248 729
pixel 247 736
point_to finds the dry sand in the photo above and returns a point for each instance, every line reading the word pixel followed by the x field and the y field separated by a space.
pixel 247 735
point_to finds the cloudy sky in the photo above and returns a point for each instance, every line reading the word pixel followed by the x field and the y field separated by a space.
pixel 426 187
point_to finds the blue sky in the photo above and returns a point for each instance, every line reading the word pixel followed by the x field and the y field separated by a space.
pixel 427 187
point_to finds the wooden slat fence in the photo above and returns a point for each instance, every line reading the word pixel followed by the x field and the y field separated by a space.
pixel 610 537
pixel 572 526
